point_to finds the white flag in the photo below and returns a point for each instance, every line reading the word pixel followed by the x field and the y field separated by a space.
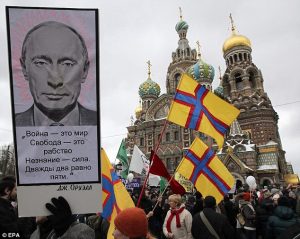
pixel 139 162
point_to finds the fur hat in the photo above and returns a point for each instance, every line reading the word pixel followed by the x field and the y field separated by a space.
pixel 132 222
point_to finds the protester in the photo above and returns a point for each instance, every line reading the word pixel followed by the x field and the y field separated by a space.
pixel 178 221
pixel 198 203
pixel 229 211
pixel 282 218
pixel 131 223
pixel 9 221
pixel 263 211
pixel 62 224
pixel 155 217
pixel 218 222
pixel 249 214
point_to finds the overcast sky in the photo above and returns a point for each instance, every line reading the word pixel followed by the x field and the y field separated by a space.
pixel 135 31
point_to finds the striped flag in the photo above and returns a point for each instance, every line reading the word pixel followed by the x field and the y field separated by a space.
pixel 205 170
pixel 197 108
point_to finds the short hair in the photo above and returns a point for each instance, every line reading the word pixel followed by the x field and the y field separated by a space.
pixel 7 182
pixel 176 198
pixel 54 23
pixel 210 202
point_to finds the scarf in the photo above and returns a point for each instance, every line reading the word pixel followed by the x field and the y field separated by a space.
pixel 174 212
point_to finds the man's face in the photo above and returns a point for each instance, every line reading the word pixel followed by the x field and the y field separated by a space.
pixel 55 67
pixel 118 235
pixel 12 194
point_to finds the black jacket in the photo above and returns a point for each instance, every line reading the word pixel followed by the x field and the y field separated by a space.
pixel 10 223
pixel 218 221
pixel 8 217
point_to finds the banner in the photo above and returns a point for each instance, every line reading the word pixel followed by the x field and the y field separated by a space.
pixel 54 76
pixel 139 162
pixel 188 185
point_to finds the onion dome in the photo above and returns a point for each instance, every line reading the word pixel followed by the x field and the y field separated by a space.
pixel 202 71
pixel 235 39
pixel 181 25
pixel 149 87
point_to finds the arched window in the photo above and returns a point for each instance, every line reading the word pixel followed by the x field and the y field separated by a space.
pixel 240 56
pixel 168 137
pixel 231 60
pixel 238 81
pixel 142 141
pixel 188 52
pixel 176 135
pixel 235 57
pixel 245 56
pixel 252 80
pixel 176 80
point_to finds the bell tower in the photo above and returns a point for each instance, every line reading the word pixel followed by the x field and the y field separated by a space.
pixel 243 87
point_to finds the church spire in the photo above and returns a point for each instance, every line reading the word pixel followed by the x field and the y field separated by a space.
pixel 149 68
pixel 233 28
pixel 180 12
pixel 198 49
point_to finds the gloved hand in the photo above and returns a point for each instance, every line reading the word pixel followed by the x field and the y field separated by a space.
pixel 62 216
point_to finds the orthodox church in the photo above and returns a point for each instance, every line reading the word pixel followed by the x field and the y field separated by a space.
pixel 252 146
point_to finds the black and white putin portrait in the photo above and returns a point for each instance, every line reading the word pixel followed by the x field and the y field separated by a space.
pixel 55 63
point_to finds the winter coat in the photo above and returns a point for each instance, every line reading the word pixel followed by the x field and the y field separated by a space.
pixel 75 231
pixel 156 222
pixel 183 232
pixel 230 212
pixel 9 221
pixel 282 218
pixel 263 211
pixel 218 221
pixel 249 215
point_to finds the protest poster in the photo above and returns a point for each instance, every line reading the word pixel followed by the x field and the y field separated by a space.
pixel 54 76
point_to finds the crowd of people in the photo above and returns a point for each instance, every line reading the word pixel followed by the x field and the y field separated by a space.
pixel 270 212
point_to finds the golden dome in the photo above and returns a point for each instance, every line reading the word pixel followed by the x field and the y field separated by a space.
pixel 138 112
pixel 236 40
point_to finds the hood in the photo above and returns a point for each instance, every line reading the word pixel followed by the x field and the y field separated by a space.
pixel 284 212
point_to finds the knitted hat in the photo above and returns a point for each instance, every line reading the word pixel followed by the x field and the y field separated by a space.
pixel 246 196
pixel 132 222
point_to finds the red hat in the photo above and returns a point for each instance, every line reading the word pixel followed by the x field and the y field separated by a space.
pixel 132 222
pixel 246 196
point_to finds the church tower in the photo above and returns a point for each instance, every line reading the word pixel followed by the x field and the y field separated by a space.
pixel 182 58
pixel 243 87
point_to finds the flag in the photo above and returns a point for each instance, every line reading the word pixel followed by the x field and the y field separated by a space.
pixel 139 162
pixel 197 108
pixel 122 156
pixel 115 197
pixel 162 185
pixel 158 168
pixel 205 170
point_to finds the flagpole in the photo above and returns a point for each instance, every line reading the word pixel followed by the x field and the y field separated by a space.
pixel 155 151
pixel 163 192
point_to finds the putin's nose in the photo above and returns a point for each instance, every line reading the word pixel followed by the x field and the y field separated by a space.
pixel 55 79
